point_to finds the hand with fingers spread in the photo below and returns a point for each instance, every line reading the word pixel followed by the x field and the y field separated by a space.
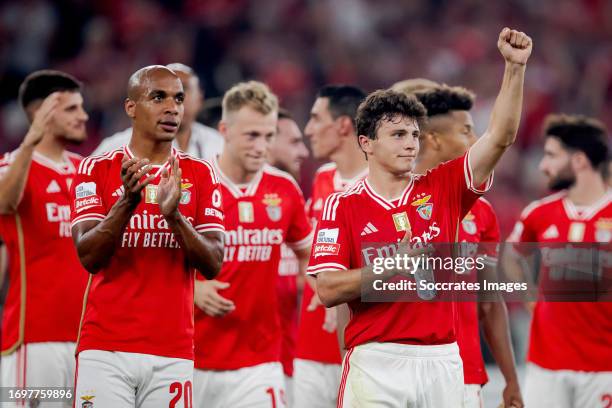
pixel 42 119
pixel 208 299
pixel 132 171
pixel 169 189
pixel 515 46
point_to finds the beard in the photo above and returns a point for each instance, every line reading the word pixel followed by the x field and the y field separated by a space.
pixel 563 180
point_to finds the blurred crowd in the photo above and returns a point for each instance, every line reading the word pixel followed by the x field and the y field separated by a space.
pixel 298 45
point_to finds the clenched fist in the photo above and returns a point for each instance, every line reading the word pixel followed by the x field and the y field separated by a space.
pixel 515 46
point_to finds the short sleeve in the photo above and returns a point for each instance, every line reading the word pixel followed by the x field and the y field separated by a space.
pixel 330 249
pixel 209 216
pixel 87 203
pixel 456 178
pixel 299 233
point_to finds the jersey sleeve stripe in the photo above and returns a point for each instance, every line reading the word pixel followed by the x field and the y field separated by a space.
pixel 467 169
pixel 209 227
pixel 87 217
pixel 330 266
pixel 302 243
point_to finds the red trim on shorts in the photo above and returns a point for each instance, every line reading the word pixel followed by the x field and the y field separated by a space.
pixel 345 371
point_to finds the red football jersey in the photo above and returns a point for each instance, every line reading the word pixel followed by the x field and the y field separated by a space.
pixel 286 290
pixel 46 278
pixel 431 205
pixel 142 300
pixel 259 218
pixel 479 225
pixel 314 343
pixel 568 335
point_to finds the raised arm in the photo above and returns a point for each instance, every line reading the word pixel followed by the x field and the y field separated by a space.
pixel 515 47
pixel 204 251
pixel 96 240
pixel 13 181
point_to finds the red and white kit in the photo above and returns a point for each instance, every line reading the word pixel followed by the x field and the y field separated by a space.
pixel 287 292
pixel 569 346
pixel 431 206
pixel 141 302
pixel 317 364
pixel 231 351
pixel 46 280
pixel 479 225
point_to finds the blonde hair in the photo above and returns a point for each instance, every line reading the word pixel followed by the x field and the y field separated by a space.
pixel 253 94
pixel 410 86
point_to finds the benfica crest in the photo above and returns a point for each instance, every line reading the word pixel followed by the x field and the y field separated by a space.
pixel 468 224
pixel 273 206
pixel 424 207
pixel 185 193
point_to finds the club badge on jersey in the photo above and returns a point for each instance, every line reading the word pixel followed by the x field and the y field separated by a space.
pixel 468 224
pixel 273 206
pixel 151 194
pixel 185 193
pixel 424 207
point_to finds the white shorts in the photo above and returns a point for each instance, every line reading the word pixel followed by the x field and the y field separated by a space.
pixel 566 388
pixel 472 397
pixel 398 375
pixel 260 386
pixel 315 384
pixel 127 380
pixel 289 391
pixel 33 365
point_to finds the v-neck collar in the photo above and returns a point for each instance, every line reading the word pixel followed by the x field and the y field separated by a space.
pixel 389 204
pixel 160 167
pixel 238 190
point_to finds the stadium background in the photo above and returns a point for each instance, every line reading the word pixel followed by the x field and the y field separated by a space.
pixel 295 46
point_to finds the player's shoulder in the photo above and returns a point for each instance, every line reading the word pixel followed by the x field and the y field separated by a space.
pixel 280 178
pixel 484 205
pixel 543 205
pixel 100 162
pixel 342 199
pixel 326 169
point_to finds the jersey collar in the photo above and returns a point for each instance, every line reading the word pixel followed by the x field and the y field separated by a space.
pixel 573 213
pixel 64 167
pixel 238 190
pixel 389 204
pixel 174 153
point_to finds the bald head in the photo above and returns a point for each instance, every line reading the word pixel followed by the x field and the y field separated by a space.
pixel 141 80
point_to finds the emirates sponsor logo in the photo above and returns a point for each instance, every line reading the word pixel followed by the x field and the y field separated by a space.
pixel 256 236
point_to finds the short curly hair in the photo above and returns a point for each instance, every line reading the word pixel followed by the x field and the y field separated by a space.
pixel 578 132
pixel 386 104
pixel 442 99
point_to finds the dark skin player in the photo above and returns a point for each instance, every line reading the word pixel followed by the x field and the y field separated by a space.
pixel 155 104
